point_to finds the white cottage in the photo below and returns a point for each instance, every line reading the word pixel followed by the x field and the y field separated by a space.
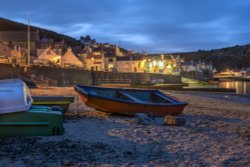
pixel 70 59
pixel 48 56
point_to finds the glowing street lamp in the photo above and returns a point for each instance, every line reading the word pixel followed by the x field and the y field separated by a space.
pixel 161 64
pixel 154 63
pixel 150 65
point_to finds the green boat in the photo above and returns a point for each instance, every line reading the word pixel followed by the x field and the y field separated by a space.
pixel 19 118
pixel 62 101
pixel 35 122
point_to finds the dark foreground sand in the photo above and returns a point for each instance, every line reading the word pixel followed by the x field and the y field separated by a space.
pixel 217 133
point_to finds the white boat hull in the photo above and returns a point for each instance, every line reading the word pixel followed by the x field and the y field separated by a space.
pixel 14 96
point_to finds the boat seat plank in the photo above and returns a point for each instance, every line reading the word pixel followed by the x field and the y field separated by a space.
pixel 130 97
pixel 164 97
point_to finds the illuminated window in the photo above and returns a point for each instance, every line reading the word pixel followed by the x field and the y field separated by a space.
pixel 110 66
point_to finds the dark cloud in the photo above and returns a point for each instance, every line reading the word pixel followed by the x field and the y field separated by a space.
pixel 153 26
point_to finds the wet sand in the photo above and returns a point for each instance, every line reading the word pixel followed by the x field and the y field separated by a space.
pixel 216 133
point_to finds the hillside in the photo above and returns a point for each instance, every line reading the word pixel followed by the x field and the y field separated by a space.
pixel 222 59
pixel 8 25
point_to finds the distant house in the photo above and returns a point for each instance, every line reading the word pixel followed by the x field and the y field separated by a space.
pixel 224 74
pixel 96 59
pixel 165 64
pixel 197 66
pixel 130 64
pixel 176 64
pixel 188 66
pixel 118 51
pixel 240 73
pixel 58 47
pixel 5 52
pixel 101 57
pixel 18 55
pixel 204 66
pixel 124 64
pixel 94 62
pixel 12 54
pixel 110 61
pixel 70 59
pixel 87 41
pixel 48 56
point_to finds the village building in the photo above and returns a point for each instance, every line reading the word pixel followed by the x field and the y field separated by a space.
pixel 12 54
pixel 94 59
pixel 165 64
pixel 176 68
pixel 188 66
pixel 236 73
pixel 197 66
pixel 69 59
pixel 87 41
pixel 58 47
pixel 154 64
pixel 110 60
pixel 83 54
pixel 18 55
pixel 204 66
pixel 124 64
pixel 119 52
pixel 101 57
pixel 48 56
pixel 131 64
pixel 95 62
pixel 5 53
pixel 240 73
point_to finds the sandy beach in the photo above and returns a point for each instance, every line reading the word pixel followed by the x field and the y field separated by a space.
pixel 216 133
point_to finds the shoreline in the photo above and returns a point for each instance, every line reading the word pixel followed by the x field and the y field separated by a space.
pixel 216 133
pixel 229 96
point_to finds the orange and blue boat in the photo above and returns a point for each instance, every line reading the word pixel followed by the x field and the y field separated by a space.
pixel 129 101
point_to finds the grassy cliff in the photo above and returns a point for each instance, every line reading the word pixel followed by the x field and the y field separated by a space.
pixel 8 25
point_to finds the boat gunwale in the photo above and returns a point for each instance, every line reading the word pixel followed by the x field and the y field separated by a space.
pixel 52 99
pixel 88 95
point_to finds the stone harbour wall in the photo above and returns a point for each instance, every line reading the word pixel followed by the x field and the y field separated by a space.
pixel 69 77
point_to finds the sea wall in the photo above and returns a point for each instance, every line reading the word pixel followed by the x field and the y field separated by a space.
pixel 198 75
pixel 69 77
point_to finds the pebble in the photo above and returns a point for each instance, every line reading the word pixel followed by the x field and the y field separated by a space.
pixel 174 121
pixel 142 118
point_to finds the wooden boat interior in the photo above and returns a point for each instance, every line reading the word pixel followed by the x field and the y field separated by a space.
pixel 132 95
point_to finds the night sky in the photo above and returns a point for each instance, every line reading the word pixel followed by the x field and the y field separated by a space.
pixel 155 26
